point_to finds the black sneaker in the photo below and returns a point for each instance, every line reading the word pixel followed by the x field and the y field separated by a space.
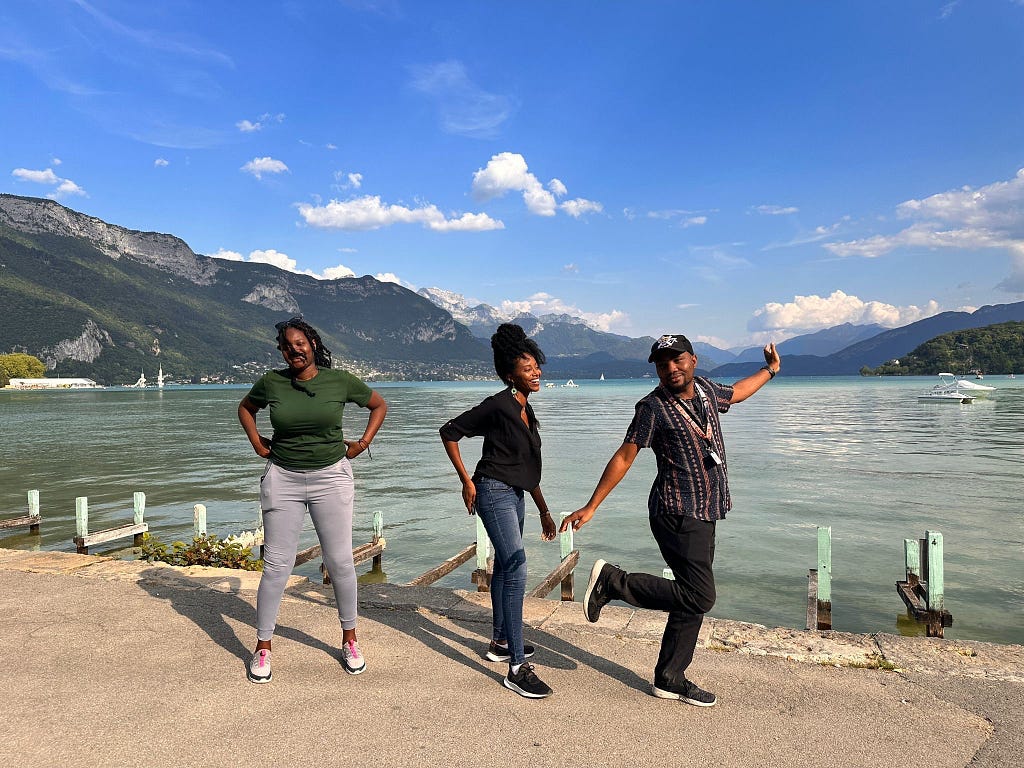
pixel 526 683
pixel 689 692
pixel 596 597
pixel 497 652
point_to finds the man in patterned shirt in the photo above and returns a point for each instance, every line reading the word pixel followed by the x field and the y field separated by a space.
pixel 679 422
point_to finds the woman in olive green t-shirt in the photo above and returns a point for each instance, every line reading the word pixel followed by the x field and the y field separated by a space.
pixel 307 469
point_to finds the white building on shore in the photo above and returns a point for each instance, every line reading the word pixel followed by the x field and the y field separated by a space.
pixel 57 383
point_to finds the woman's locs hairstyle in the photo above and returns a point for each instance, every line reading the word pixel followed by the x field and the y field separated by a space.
pixel 321 354
pixel 510 343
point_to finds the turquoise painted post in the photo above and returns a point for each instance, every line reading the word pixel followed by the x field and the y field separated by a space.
pixel 199 519
pixel 259 527
pixel 82 521
pixel 936 588
pixel 140 506
pixel 825 564
pixel 82 516
pixel 912 556
pixel 565 538
pixel 33 510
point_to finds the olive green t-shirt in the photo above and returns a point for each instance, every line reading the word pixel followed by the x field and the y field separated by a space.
pixel 307 430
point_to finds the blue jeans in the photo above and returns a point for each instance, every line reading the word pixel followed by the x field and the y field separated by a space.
pixel 502 510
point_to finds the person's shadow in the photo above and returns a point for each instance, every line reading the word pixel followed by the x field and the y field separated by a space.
pixel 210 601
pixel 468 644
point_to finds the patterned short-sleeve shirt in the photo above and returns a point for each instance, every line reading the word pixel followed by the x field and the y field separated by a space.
pixel 687 483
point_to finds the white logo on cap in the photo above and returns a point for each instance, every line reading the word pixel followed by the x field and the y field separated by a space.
pixel 666 341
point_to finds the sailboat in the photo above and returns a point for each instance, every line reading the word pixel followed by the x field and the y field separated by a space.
pixel 602 377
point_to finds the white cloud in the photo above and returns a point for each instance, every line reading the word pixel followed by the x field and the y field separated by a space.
pixel 161 163
pixel 335 273
pixel 776 210
pixel 331 146
pixel 812 313
pixel 63 186
pixel 36 177
pixel 56 161
pixel 368 213
pixel 278 259
pixel 464 107
pixel 251 126
pixel 965 219
pixel 508 172
pixel 348 180
pixel 285 262
pixel 579 207
pixel 391 277
pixel 260 165
pixel 694 221
pixel 572 268
pixel 546 304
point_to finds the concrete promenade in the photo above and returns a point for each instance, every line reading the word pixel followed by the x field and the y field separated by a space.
pixel 116 663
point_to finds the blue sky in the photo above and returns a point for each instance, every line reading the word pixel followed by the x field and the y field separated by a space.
pixel 733 171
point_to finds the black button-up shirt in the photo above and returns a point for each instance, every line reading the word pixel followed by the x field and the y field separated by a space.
pixel 511 451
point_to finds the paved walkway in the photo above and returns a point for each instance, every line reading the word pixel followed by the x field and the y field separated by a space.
pixel 113 663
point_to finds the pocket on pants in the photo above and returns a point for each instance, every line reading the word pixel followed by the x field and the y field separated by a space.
pixel 265 484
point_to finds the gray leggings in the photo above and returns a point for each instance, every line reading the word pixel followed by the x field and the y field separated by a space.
pixel 285 495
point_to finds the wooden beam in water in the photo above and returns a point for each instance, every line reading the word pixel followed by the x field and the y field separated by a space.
pixel 556 576
pixel 444 568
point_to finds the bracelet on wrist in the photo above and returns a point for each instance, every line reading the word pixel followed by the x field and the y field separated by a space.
pixel 771 373
pixel 546 513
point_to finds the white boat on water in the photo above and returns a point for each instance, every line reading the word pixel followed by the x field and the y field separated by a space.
pixel 141 383
pixel 952 383
pixel 160 378
pixel 571 384
pixel 602 377
pixel 948 391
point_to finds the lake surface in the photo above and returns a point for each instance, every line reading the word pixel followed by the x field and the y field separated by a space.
pixel 861 455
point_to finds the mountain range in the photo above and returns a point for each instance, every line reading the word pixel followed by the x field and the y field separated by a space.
pixel 99 300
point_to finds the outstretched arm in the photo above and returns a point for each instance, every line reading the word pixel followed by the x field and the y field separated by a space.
pixel 615 470
pixel 744 388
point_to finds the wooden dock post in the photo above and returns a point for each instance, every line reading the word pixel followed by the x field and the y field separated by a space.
pixel 31 519
pixel 566 545
pixel 83 539
pixel 482 575
pixel 923 591
pixel 82 523
pixel 199 519
pixel 33 511
pixel 139 499
pixel 819 584
pixel 378 534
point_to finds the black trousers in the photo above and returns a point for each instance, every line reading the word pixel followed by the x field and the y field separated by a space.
pixel 688 546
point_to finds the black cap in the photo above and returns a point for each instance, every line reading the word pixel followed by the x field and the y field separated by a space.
pixel 673 342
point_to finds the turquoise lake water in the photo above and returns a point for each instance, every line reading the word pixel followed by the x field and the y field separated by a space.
pixel 861 455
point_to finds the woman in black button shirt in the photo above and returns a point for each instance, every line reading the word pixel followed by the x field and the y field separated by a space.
pixel 509 466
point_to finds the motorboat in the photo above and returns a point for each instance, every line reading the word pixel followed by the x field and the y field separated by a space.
pixel 571 384
pixel 947 391
pixel 952 383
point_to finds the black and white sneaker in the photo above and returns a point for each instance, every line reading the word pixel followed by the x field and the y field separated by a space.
pixel 497 652
pixel 596 597
pixel 526 683
pixel 689 692
pixel 258 668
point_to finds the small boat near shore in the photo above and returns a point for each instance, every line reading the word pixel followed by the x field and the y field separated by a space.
pixel 948 390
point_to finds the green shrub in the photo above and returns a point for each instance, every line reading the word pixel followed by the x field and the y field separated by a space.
pixel 203 550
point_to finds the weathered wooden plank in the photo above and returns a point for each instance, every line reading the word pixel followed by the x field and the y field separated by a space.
pixel 365 552
pixel 378 535
pixel 483 545
pixel 16 522
pixel 199 519
pixel 111 534
pixel 33 510
pixel 444 568
pixel 308 554
pixel 555 577
pixel 912 557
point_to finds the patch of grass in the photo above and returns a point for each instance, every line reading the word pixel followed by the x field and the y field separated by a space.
pixel 874 661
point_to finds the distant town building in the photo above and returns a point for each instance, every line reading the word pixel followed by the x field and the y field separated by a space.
pixel 57 383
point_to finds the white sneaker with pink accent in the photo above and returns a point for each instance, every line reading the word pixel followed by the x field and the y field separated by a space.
pixel 352 658
pixel 258 669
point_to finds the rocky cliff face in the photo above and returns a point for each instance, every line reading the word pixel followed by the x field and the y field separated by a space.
pixel 85 348
pixel 164 252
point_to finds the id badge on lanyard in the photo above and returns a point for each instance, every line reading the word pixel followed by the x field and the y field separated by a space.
pixel 711 457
